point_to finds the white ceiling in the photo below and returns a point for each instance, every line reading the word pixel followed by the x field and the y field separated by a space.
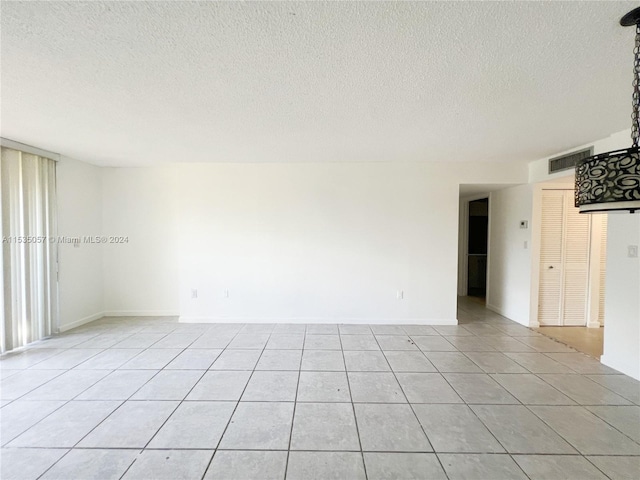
pixel 136 83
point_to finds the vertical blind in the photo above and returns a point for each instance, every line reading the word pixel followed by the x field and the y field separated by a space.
pixel 29 252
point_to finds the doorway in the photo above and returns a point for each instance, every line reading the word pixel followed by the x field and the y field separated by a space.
pixel 477 242
pixel 572 263
pixel 572 267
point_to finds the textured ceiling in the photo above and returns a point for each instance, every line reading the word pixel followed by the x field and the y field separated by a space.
pixel 136 83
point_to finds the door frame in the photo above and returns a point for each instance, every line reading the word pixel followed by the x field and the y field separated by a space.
pixel 463 242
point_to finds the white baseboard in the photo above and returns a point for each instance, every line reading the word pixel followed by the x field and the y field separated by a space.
pixel 322 320
pixel 141 313
pixel 630 370
pixel 82 321
pixel 493 308
pixel 593 325
pixel 499 311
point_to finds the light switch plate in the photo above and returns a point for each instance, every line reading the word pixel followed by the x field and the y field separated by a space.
pixel 632 251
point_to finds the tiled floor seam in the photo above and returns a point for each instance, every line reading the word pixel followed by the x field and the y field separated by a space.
pixel 65 401
pixel 234 408
pixel 122 401
pixel 562 343
pixel 162 368
pixel 583 375
pixel 353 409
pixel 590 412
pixel 413 411
pixel 180 402
pixel 52 412
pixel 607 422
pixel 293 418
pixel 468 405
pixel 443 452
pixel 581 405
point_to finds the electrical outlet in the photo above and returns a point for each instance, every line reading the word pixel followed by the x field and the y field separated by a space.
pixel 632 251
pixel 194 293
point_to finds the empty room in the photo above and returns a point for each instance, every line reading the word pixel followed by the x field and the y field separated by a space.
pixel 320 240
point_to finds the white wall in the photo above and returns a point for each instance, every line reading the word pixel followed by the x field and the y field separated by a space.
pixel 290 242
pixel 322 242
pixel 141 276
pixel 622 300
pixel 79 191
pixel 509 272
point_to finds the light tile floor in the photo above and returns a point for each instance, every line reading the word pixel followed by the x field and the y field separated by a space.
pixel 150 398
pixel 583 339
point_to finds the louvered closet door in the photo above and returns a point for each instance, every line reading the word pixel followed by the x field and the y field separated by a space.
pixel 564 261
pixel 575 264
pixel 549 304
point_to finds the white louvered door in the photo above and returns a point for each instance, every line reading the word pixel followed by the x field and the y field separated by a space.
pixel 549 304
pixel 575 263
pixel 564 261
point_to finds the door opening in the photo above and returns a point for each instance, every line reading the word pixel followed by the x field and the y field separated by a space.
pixel 571 272
pixel 477 248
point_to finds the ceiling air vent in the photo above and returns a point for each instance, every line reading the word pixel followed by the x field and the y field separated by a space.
pixel 569 161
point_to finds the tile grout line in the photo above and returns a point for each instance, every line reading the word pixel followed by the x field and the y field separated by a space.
pixel 99 423
pixel 414 412
pixel 295 403
pixel 180 402
pixel 411 407
pixel 234 408
pixel 608 423
pixel 578 452
pixel 528 409
pixel 580 406
pixel 122 402
pixel 444 452
pixel 353 407
pixel 224 431
pixel 596 466
pixel 67 401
